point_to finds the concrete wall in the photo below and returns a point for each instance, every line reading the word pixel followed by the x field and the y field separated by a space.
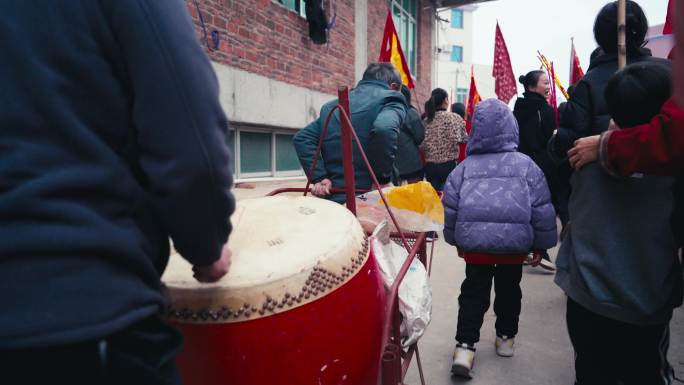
pixel 254 99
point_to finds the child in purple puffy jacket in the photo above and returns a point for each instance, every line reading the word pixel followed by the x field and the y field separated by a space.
pixel 498 210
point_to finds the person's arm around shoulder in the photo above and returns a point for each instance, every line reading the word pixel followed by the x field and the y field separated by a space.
pixel 543 219
pixel 382 143
pixel 181 127
pixel 451 199
pixel 656 148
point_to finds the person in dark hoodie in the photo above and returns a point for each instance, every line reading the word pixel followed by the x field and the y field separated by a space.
pixel 537 121
pixel 586 113
pixel 408 163
pixel 619 302
pixel 113 139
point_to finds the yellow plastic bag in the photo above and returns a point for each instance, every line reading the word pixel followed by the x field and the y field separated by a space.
pixel 416 206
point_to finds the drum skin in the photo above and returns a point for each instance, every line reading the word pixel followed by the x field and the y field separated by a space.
pixel 334 340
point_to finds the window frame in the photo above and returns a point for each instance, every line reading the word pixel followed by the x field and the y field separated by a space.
pixel 462 22
pixel 456 48
pixel 237 152
pixel 410 17
pixel 301 4
pixel 462 92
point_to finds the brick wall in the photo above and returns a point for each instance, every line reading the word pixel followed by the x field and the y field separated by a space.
pixel 263 37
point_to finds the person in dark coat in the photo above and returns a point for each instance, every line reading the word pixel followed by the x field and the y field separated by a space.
pixel 586 113
pixel 113 140
pixel 378 112
pixel 408 163
pixel 536 122
pixel 618 265
pixel 459 109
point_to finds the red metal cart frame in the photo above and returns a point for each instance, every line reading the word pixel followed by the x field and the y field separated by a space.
pixel 395 362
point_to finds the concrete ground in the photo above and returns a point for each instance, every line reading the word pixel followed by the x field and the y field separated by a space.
pixel 544 354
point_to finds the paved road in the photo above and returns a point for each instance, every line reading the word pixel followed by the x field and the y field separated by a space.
pixel 543 355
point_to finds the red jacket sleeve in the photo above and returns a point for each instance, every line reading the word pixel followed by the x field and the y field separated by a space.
pixel 655 148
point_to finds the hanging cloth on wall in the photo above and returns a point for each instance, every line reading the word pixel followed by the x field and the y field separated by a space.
pixel 215 38
pixel 318 23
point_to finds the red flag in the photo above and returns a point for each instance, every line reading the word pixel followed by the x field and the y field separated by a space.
pixel 668 29
pixel 391 51
pixel 576 72
pixel 505 87
pixel 553 99
pixel 473 99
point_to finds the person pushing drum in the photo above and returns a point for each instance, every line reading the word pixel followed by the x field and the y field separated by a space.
pixel 112 142
pixel 378 111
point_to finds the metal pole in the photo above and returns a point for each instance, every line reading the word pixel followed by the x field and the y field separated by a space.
pixel 622 34
pixel 347 154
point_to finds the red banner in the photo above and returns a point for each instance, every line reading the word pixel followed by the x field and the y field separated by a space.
pixel 506 86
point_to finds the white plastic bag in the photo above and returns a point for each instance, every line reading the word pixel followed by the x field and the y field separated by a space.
pixel 415 294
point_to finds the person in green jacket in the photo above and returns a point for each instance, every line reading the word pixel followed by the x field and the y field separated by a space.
pixel 378 110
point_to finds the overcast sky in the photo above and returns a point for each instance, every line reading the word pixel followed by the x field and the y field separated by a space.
pixel 547 26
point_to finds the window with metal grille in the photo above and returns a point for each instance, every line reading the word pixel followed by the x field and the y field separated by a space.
pixel 405 14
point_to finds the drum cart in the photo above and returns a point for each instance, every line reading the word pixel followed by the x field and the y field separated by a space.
pixel 395 361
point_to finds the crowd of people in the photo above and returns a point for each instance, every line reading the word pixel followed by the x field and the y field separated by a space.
pixel 89 195
pixel 622 218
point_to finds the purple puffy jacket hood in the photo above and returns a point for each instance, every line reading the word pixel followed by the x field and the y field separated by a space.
pixel 494 129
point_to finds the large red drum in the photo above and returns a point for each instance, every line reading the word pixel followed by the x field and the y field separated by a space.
pixel 302 304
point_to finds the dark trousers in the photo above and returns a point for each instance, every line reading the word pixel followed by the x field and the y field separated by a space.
pixel 437 173
pixel 475 296
pixel 141 354
pixel 610 352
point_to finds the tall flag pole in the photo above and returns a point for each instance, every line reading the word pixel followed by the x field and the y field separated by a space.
pixel 547 65
pixel 391 52
pixel 576 72
pixel 553 99
pixel 473 99
pixel 502 70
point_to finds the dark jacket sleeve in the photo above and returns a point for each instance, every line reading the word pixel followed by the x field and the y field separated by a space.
pixel 415 126
pixel 306 143
pixel 180 124
pixel 577 120
pixel 382 143
pixel 654 148
pixel 543 219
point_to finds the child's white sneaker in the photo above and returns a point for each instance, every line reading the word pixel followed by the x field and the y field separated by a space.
pixel 505 346
pixel 464 355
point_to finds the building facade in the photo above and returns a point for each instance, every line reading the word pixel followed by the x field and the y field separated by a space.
pixel 455 55
pixel 274 79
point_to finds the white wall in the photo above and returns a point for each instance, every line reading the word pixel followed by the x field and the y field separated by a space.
pixel 453 75
pixel 254 99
